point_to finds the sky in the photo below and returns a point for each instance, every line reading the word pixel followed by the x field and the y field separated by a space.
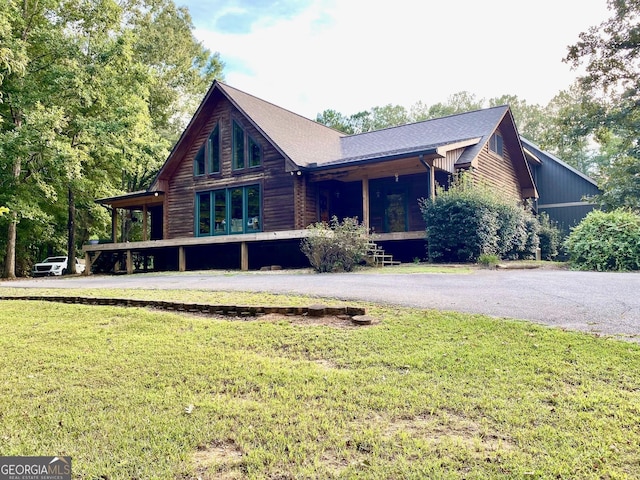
pixel 351 55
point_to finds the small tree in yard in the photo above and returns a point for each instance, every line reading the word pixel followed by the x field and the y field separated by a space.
pixel 606 241
pixel 336 246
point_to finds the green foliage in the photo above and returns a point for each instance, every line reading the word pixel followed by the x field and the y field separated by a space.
pixel 606 241
pixel 92 95
pixel 609 54
pixel 550 237
pixel 488 260
pixel 620 184
pixel 468 220
pixel 336 246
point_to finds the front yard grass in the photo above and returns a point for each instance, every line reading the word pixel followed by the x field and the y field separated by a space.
pixel 134 393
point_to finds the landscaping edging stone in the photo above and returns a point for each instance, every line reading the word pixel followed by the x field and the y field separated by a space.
pixel 203 308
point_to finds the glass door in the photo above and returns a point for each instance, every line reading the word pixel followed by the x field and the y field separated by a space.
pixel 396 211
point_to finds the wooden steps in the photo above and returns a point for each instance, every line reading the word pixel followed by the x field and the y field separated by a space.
pixel 377 257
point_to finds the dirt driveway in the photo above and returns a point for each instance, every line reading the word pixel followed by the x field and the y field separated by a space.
pixel 605 303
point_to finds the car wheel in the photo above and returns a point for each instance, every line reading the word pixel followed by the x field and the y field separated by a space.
pixel 64 271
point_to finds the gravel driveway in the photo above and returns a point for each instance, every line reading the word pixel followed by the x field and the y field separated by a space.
pixel 605 303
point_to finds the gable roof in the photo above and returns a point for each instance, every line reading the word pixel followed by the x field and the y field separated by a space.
pixel 538 152
pixel 306 144
pixel 298 139
pixel 309 144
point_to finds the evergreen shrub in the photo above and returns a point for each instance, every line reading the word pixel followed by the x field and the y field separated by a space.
pixel 606 241
pixel 469 220
pixel 550 237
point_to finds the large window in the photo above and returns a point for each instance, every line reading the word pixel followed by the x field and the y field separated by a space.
pixel 209 155
pixel 234 210
pixel 245 149
pixel 204 214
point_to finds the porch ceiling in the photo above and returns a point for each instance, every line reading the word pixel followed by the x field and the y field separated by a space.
pixel 383 168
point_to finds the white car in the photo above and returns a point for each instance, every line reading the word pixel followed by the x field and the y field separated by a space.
pixel 54 266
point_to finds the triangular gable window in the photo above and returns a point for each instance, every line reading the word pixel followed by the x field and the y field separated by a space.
pixel 245 149
pixel 496 144
pixel 208 156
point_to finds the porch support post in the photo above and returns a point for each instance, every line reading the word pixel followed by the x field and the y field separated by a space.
pixel 432 180
pixel 365 202
pixel 144 223
pixel 182 260
pixel 432 176
pixel 244 256
pixel 129 262
pixel 114 225
pixel 87 264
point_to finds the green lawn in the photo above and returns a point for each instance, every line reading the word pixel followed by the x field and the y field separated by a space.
pixel 134 393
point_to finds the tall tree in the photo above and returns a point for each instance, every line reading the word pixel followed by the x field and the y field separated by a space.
pixel 610 53
pixel 459 102
pixel 569 130
pixel 27 128
pixel 93 94
pixel 336 120
pixel 531 119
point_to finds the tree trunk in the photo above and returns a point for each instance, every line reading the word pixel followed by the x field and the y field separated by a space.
pixel 71 231
pixel 12 235
pixel 10 258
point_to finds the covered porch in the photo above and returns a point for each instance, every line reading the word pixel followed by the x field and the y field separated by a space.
pixel 384 193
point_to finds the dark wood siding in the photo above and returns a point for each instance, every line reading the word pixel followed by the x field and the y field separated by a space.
pixel 310 214
pixel 277 185
pixel 498 172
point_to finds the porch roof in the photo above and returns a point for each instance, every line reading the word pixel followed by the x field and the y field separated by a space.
pixel 133 200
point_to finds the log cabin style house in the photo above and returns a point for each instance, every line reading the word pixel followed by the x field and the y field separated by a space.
pixel 247 177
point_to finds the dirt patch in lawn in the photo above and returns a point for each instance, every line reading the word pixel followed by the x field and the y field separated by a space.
pixel 220 461
pixel 334 321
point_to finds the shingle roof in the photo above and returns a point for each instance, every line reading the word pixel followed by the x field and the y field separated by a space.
pixel 299 139
pixel 310 144
pixel 426 135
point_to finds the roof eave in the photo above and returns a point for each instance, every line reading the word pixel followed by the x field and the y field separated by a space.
pixel 368 160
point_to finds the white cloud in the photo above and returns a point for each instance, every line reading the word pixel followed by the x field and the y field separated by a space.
pixel 351 55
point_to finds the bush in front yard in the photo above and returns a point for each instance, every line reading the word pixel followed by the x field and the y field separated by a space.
pixel 606 241
pixel 470 220
pixel 550 237
pixel 517 230
pixel 336 246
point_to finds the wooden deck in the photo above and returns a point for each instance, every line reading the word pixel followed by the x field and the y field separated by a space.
pixel 91 252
